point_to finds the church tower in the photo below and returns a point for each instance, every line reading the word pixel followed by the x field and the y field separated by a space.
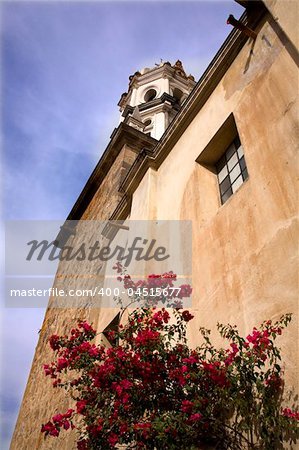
pixel 154 97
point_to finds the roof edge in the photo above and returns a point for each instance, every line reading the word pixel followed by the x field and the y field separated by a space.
pixel 123 134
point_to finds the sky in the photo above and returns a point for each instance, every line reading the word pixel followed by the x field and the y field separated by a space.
pixel 64 66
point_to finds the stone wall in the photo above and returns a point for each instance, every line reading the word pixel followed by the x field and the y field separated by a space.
pixel 40 400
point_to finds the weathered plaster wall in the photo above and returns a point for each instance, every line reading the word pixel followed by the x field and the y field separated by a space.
pixel 285 14
pixel 107 196
pixel 40 400
pixel 244 252
pixel 144 205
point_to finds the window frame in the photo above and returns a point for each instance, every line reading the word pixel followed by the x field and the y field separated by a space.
pixel 112 326
pixel 217 148
pixel 232 162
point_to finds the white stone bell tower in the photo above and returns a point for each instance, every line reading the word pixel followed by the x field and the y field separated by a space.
pixel 154 97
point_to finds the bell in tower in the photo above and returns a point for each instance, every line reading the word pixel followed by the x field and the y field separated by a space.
pixel 155 96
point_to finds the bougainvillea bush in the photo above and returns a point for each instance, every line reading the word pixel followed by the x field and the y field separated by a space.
pixel 151 391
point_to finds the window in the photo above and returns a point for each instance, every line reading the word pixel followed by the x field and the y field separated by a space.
pixel 224 156
pixel 178 95
pixel 231 170
pixel 150 95
pixel 148 126
pixel 113 326
pixel 147 122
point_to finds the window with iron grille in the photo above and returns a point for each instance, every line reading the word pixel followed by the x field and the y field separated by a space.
pixel 231 170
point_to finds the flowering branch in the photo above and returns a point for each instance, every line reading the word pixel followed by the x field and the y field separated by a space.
pixel 152 391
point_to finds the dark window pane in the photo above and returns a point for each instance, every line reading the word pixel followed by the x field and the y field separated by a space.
pixel 227 194
pixel 220 164
pixel 230 151
pixel 245 174
pixel 224 185
pixel 231 170
pixel 242 163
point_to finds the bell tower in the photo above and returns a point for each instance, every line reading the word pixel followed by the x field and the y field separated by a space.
pixel 154 97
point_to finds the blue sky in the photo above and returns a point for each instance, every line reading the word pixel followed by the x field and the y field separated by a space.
pixel 64 66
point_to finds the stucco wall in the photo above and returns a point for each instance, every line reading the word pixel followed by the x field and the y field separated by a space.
pixel 285 14
pixel 245 251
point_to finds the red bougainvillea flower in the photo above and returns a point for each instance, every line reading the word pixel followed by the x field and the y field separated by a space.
pixel 185 291
pixel 54 342
pixel 83 444
pixel 274 380
pixel 49 428
pixel 287 412
pixel 187 316
pixel 81 405
pixel 187 406
pixel 113 439
pixel 195 417
pixel 150 390
pixel 144 428
pixel 145 337
pixel 86 327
